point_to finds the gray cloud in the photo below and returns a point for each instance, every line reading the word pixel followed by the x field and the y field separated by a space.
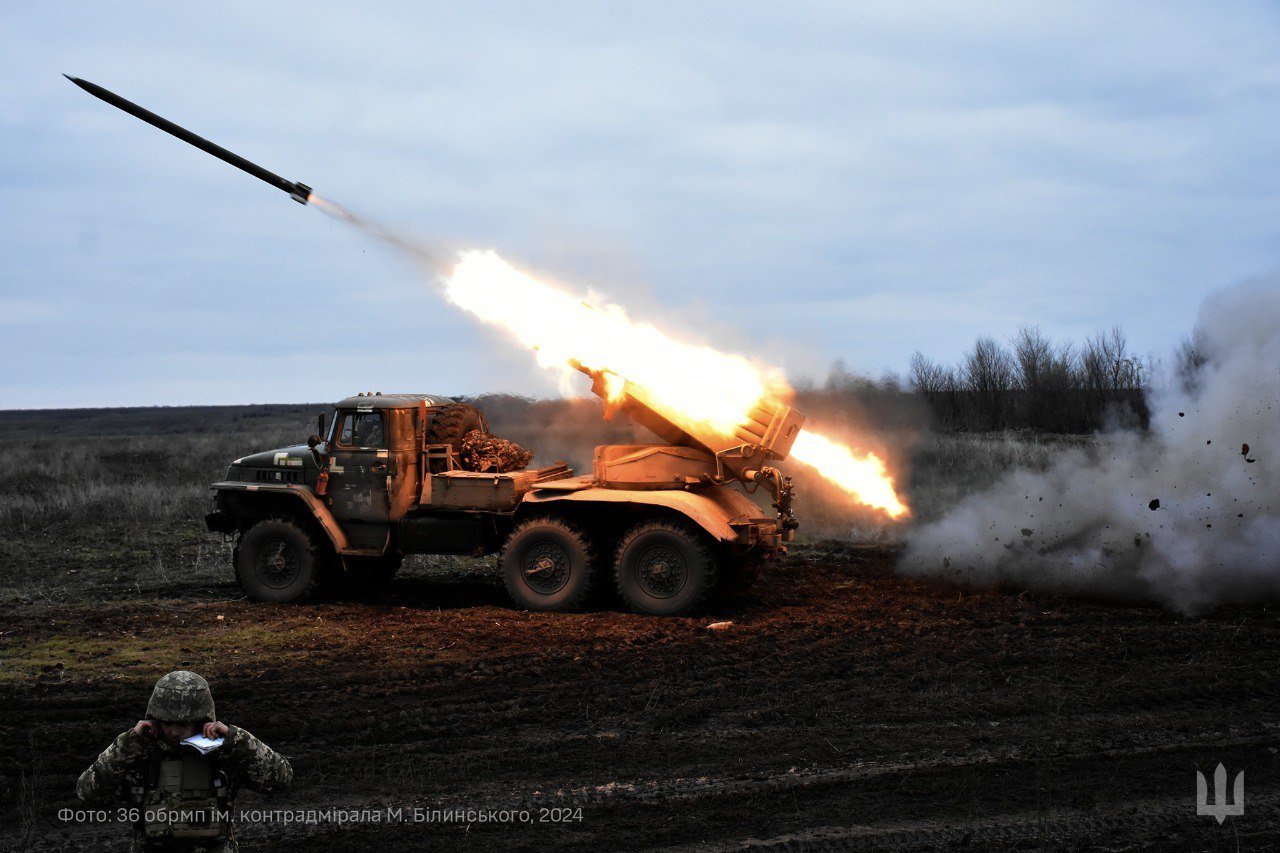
pixel 890 177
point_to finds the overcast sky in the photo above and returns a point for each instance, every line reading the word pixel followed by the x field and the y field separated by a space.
pixel 805 182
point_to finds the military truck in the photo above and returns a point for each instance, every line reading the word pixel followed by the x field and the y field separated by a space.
pixel 381 479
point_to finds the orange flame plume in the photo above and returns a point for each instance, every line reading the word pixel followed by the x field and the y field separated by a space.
pixel 703 384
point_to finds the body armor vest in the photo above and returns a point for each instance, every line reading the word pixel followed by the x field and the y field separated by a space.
pixel 184 797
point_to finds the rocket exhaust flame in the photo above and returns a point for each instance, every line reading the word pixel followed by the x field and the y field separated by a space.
pixel 703 384
pixel 865 477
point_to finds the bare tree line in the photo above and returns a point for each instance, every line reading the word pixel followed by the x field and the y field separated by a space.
pixel 1034 384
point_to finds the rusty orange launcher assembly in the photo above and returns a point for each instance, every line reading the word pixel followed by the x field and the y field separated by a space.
pixel 697 453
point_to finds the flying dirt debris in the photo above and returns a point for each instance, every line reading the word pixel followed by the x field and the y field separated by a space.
pixel 1174 514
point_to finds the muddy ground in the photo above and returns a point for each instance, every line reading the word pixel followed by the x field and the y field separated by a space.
pixel 844 708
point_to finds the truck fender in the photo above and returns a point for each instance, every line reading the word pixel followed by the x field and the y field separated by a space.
pixel 306 500
pixel 715 509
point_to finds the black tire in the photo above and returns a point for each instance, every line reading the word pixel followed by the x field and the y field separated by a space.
pixel 371 572
pixel 280 560
pixel 449 424
pixel 664 568
pixel 548 564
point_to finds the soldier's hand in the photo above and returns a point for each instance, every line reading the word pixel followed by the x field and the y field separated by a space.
pixel 213 731
pixel 145 728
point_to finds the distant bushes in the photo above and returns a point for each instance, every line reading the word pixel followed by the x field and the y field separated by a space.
pixel 1032 384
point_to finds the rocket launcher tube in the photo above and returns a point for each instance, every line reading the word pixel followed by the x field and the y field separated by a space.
pixel 741 457
pixel 767 436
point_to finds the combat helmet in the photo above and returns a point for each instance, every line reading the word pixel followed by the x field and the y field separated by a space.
pixel 181 695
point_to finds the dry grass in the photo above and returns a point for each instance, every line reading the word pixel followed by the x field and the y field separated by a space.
pixel 126 466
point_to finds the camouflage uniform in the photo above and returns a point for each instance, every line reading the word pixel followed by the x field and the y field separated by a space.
pixel 243 760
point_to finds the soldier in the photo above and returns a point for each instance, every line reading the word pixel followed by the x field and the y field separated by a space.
pixel 182 798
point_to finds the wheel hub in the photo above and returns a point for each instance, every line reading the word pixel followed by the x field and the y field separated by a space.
pixel 662 571
pixel 546 568
pixel 277 564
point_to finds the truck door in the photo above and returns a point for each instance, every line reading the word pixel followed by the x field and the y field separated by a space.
pixel 358 470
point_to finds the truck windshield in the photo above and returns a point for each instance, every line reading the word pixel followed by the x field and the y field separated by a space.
pixel 361 429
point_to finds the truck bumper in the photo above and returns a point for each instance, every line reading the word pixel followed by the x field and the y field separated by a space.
pixel 756 535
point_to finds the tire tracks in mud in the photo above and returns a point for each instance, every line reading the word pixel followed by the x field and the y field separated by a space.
pixel 1113 820
pixel 1122 826
pixel 696 788
pixel 1132 817
pixel 668 735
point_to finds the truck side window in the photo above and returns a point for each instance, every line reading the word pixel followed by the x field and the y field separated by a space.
pixel 362 429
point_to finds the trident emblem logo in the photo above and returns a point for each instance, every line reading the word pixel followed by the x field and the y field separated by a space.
pixel 1219 809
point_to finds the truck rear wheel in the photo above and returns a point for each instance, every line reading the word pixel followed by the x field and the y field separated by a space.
pixel 279 560
pixel 548 564
pixel 664 569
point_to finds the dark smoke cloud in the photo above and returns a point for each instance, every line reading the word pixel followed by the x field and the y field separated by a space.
pixel 1187 515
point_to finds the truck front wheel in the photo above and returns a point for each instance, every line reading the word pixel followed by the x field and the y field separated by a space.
pixel 664 569
pixel 547 564
pixel 277 560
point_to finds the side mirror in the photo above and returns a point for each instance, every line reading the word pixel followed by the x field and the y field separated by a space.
pixel 320 424
pixel 314 441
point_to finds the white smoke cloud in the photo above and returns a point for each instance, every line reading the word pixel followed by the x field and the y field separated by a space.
pixel 1091 524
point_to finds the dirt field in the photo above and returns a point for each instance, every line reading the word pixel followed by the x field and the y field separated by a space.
pixel 843 709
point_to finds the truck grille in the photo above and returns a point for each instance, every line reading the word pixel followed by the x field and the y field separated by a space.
pixel 269 476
